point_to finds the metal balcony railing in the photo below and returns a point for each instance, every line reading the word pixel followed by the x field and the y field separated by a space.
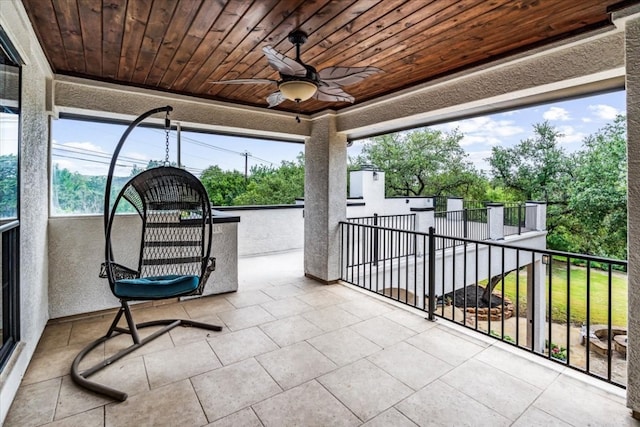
pixel 379 244
pixel 568 308
pixel 519 219
pixel 466 223
pixel 10 273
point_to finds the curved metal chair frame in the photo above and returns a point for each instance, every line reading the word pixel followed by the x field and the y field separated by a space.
pixel 174 259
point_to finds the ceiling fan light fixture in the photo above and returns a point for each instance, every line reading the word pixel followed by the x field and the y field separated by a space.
pixel 297 90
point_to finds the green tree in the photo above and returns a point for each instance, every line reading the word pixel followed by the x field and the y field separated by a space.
pixel 599 193
pixel 76 193
pixel 421 162
pixel 8 186
pixel 536 168
pixel 270 185
pixel 222 186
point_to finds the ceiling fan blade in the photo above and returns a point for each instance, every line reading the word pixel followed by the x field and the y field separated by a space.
pixel 345 76
pixel 275 98
pixel 243 81
pixel 333 94
pixel 284 64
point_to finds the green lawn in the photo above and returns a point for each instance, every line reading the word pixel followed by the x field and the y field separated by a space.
pixel 578 293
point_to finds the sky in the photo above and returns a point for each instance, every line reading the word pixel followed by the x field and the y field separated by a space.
pixel 94 142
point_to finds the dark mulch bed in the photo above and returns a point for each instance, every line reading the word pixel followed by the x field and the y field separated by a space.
pixel 458 297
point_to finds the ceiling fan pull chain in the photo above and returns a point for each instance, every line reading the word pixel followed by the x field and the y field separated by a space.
pixel 298 112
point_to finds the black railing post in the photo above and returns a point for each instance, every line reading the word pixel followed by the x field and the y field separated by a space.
pixel 432 273
pixel 375 239
pixel 464 220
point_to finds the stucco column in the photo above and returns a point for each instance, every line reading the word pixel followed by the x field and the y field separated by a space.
pixel 425 218
pixel 325 199
pixel 632 55
pixel 496 220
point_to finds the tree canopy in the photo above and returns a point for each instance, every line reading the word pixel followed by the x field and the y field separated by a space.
pixel 422 162
pixel 585 191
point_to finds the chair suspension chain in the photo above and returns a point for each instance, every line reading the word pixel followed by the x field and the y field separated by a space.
pixel 167 127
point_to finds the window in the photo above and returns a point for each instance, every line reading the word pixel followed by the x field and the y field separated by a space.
pixel 82 147
pixel 9 196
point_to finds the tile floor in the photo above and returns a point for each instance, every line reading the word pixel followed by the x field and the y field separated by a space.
pixel 294 352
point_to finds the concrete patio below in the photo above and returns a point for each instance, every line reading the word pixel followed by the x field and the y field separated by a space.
pixel 295 352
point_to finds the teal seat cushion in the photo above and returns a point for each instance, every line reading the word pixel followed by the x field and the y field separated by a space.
pixel 156 287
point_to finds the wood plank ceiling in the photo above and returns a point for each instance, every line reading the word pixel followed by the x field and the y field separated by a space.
pixel 181 46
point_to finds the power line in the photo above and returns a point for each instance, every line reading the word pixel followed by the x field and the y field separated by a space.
pixel 215 147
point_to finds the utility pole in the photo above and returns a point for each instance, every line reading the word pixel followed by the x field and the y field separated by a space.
pixel 246 155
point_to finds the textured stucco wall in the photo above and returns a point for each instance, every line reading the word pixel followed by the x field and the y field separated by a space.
pixel 263 231
pixel 633 148
pixel 33 197
pixel 76 250
pixel 325 190
pixel 89 97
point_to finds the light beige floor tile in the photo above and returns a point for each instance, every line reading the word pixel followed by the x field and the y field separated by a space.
pixel 310 285
pixel 186 334
pixel 57 362
pixel 175 404
pixel 205 307
pixel 85 331
pixel 167 366
pixel 582 405
pixel 286 307
pixel 321 298
pixel 234 387
pixel 331 318
pixel 390 417
pixel 439 404
pixel 247 298
pixel 308 405
pixel 415 322
pixel 245 317
pixel 519 367
pixel 296 364
pixel 291 330
pixel 364 388
pixel 343 346
pixel 91 418
pixel 236 346
pixel 243 418
pixel 55 336
pixel 477 338
pixel 344 292
pixel 74 400
pixel 382 331
pixel 115 344
pixel 283 291
pixel 34 404
pixel 445 346
pixel 160 312
pixel 410 365
pixel 366 308
pixel 501 392
pixel 533 417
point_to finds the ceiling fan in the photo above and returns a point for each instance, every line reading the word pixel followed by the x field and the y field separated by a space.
pixel 300 82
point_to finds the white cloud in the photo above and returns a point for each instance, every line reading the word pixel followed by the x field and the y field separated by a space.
pixel 570 135
pixel 604 112
pixel 478 159
pixel 586 120
pixel 556 114
pixel 486 126
pixel 479 139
